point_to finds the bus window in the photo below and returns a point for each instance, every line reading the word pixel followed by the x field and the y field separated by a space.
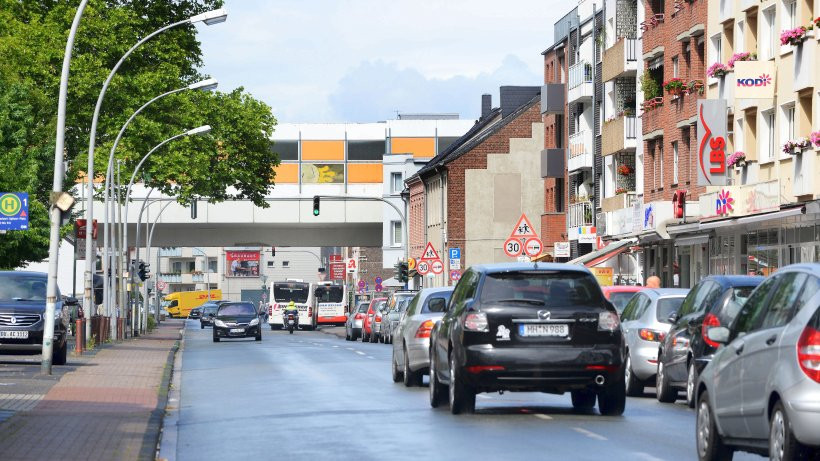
pixel 291 291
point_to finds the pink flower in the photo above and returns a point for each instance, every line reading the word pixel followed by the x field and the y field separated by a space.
pixel 742 56
pixel 717 70
pixel 793 36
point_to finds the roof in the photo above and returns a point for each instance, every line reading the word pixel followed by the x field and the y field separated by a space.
pixel 517 267
pixel 622 289
pixel 28 273
pixel 735 280
pixel 665 292
pixel 482 130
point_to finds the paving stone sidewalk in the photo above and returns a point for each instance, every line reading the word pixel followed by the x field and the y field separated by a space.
pixel 109 408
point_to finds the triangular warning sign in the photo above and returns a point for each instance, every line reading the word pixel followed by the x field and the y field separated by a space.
pixel 523 228
pixel 430 253
pixel 23 214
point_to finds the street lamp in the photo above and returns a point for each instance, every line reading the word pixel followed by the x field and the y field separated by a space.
pixel 204 85
pixel 209 17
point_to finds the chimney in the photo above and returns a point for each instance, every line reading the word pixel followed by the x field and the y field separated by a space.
pixel 486 104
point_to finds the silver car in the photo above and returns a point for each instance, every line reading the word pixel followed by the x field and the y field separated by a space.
pixel 411 358
pixel 645 322
pixel 353 325
pixel 761 391
pixel 396 305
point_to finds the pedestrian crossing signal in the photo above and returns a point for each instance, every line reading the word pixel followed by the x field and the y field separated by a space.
pixel 316 205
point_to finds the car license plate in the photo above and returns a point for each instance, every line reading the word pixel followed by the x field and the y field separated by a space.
pixel 544 329
pixel 237 330
pixel 14 334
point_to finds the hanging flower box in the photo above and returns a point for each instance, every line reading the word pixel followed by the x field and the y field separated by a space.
pixel 674 86
pixel 815 139
pixel 717 70
pixel 738 159
pixel 796 146
pixel 794 36
pixel 621 191
pixel 742 56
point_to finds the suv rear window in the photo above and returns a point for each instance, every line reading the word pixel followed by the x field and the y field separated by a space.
pixel 541 288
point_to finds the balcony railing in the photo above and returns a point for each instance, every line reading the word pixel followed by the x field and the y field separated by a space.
pixel 579 74
pixel 580 151
pixel 173 252
pixel 579 214
pixel 620 59
pixel 170 277
pixel 619 135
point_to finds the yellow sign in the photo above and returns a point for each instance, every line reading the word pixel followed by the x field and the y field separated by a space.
pixel 604 275
pixel 411 264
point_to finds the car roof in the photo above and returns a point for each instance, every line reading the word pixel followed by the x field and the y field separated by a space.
pixel 727 281
pixel 803 267
pixel 665 292
pixel 622 288
pixel 433 290
pixel 11 273
pixel 518 267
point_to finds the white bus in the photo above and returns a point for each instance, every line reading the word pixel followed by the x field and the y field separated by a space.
pixel 331 301
pixel 298 291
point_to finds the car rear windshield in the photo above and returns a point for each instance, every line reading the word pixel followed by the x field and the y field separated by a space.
pixel 425 309
pixel 293 291
pixel 734 301
pixel 667 307
pixel 23 288
pixel 620 299
pixel 542 288
pixel 329 294
pixel 363 307
pixel 237 309
pixel 210 309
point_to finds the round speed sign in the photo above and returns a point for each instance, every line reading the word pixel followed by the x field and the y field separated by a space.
pixel 512 247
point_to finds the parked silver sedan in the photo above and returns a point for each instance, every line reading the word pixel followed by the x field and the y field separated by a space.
pixel 353 325
pixel 396 306
pixel 411 359
pixel 645 321
pixel 761 391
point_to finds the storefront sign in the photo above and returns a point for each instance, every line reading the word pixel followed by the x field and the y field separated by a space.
pixel 655 213
pixel 587 234
pixel 604 275
pixel 736 201
pixel 754 79
pixel 561 249
pixel 243 263
pixel 724 204
pixel 711 142
pixel 337 271
pixel 761 197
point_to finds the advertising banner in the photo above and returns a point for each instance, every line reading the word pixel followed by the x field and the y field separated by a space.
pixel 242 263
pixel 562 249
pixel 604 275
pixel 337 271
pixel 711 147
pixel 754 79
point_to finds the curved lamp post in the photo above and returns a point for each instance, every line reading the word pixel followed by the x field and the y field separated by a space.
pixel 209 18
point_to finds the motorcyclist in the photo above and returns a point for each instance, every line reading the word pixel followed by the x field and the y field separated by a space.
pixel 290 309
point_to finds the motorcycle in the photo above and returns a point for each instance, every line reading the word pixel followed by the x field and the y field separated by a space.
pixel 290 320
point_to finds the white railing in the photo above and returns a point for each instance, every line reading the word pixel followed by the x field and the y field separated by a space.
pixel 579 74
pixel 170 252
pixel 579 214
pixel 171 278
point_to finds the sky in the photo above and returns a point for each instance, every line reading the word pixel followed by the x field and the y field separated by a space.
pixel 364 60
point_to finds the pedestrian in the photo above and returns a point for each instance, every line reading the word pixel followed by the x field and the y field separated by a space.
pixel 653 282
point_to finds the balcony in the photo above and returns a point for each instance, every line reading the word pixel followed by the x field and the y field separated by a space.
pixel 579 214
pixel 804 64
pixel 619 135
pixel 552 163
pixel 172 252
pixel 619 202
pixel 580 151
pixel 726 10
pixel 621 59
pixel 553 98
pixel 580 83
pixel 170 277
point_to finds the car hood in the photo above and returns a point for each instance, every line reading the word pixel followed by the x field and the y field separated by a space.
pixel 15 307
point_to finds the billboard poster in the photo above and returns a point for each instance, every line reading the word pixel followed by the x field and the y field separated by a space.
pixel 711 147
pixel 242 263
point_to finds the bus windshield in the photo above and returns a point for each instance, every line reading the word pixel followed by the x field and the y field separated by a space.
pixel 297 292
pixel 329 294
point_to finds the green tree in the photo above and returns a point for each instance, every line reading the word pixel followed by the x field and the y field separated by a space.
pixel 235 161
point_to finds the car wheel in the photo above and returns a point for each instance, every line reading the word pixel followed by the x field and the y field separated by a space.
pixel 272 328
pixel 612 398
pixel 365 336
pixel 60 354
pixel 634 386
pixel 347 335
pixel 381 339
pixel 372 335
pixel 665 392
pixel 782 443
pixel 396 373
pixel 583 399
pixel 709 443
pixel 201 326
pixel 691 379
pixel 411 378
pixel 216 339
pixel 462 398
pixel 437 390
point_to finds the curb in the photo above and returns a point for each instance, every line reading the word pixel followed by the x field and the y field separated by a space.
pixel 166 446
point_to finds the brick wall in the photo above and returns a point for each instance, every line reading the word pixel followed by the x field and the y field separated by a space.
pixel 416 220
pixel 553 220
pixel 659 151
pixel 372 267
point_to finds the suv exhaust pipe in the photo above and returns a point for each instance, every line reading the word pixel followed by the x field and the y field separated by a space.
pixel 600 380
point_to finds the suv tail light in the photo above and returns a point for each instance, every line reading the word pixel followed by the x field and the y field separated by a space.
pixel 608 321
pixel 378 318
pixel 476 321
pixel 709 321
pixel 424 329
pixel 808 353
pixel 651 335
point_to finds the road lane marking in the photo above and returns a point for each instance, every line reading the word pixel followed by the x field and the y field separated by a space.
pixel 335 347
pixel 589 434
pixel 542 416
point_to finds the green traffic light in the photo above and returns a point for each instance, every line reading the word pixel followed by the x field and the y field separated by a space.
pixel 315 212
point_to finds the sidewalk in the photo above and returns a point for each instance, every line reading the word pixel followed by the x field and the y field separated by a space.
pixel 109 407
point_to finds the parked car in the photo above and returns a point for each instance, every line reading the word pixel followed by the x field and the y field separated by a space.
pixel 619 295
pixel 395 308
pixel 381 311
pixel 760 391
pixel 209 310
pixel 368 330
pixel 528 327
pixel 22 315
pixel 682 355
pixel 237 320
pixel 411 356
pixel 645 322
pixel 195 313
pixel 353 325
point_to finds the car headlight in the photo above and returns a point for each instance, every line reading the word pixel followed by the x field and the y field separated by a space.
pixel 220 323
pixel 254 322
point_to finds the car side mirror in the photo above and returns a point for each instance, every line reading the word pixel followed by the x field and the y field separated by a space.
pixel 718 334
pixel 673 317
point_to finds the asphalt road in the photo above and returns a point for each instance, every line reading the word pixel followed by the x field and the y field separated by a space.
pixel 314 396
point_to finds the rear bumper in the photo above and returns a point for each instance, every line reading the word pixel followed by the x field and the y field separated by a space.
pixel 545 369
pixel 644 361
pixel 331 320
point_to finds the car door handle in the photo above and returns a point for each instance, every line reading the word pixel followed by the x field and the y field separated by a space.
pixel 771 340
pixel 739 349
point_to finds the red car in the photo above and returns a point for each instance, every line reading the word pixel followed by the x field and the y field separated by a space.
pixel 367 325
pixel 619 295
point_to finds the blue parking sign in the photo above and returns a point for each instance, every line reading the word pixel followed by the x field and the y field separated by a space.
pixel 13 211
pixel 455 253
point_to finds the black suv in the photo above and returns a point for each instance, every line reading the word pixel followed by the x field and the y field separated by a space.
pixel 532 328
pixel 22 315
pixel 686 350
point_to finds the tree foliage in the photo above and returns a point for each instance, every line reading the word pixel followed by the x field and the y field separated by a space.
pixel 234 161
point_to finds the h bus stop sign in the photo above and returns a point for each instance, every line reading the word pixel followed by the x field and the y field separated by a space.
pixel 13 211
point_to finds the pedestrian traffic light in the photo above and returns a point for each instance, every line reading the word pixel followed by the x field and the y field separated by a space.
pixel 143 271
pixel 315 205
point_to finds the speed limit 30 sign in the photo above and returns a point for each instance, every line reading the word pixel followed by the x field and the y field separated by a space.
pixel 512 247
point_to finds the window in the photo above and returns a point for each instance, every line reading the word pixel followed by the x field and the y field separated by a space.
pixel 811 287
pixel 752 311
pixel 781 307
pixel 270 263
pixel 717 48
pixel 675 67
pixel 675 160
pixel 767 137
pixel 212 265
pixel 693 298
pixel 739 33
pixel 366 150
pixel 395 233
pixel 768 44
pixel 176 267
pixel 287 150
pixel 285 263
pixel 396 183
pixel 789 14
pixel 787 127
pixel 660 161
pixel 667 307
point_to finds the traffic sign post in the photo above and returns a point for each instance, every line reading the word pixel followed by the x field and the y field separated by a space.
pixel 523 240
pixel 13 211
pixel 430 253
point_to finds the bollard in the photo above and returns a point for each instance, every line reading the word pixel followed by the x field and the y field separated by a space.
pixel 106 331
pixel 119 328
pixel 79 337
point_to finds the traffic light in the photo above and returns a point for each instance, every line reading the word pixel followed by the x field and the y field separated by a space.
pixel 401 272
pixel 143 271
pixel 193 209
pixel 315 205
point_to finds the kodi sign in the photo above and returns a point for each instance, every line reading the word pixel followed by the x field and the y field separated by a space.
pixel 754 80
pixel 711 147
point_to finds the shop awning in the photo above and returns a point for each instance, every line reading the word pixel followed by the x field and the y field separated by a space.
pixel 692 240
pixel 599 256
pixel 776 215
